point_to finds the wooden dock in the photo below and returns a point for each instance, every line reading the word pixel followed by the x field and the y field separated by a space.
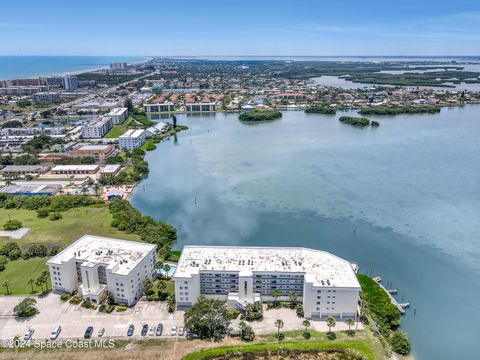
pixel 392 299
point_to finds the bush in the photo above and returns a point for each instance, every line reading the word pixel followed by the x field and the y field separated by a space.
pixel 35 250
pixel 65 296
pixel 233 314
pixel 299 311
pixel 11 250
pixel 106 308
pixel 42 213
pixel 246 332
pixel 87 304
pixel 3 262
pixel 55 216
pixel 121 308
pixel 76 299
pixel 254 311
pixel 26 308
pixel 12 225
pixel 399 342
pixel 54 250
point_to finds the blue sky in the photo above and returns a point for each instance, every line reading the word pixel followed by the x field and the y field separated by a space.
pixel 228 27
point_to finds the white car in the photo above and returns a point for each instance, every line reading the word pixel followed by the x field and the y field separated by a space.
pixel 181 331
pixel 151 330
pixel 173 332
pixel 55 332
pixel 28 334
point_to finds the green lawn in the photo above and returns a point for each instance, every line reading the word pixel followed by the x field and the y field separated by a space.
pixel 212 353
pixel 116 131
pixel 74 224
pixel 18 272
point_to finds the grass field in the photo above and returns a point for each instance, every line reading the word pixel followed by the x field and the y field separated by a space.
pixel 18 272
pixel 75 223
pixel 118 130
pixel 361 346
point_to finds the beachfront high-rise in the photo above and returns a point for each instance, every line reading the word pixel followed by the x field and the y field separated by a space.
pixel 324 283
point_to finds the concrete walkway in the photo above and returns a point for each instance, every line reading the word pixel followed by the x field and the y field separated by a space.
pixel 15 234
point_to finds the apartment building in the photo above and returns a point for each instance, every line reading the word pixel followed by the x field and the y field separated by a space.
pixel 200 107
pixel 118 115
pixel 70 83
pixel 97 128
pixel 100 152
pixel 93 265
pixel 156 108
pixel 132 139
pixel 324 283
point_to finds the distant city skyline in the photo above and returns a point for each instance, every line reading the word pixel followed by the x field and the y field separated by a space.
pixel 248 28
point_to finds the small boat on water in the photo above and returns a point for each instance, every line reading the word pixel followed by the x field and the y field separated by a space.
pixel 404 305
pixel 392 291
pixel 377 279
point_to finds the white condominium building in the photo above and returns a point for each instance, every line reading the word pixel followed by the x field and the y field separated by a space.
pixel 97 128
pixel 325 283
pixel 93 265
pixel 200 107
pixel 132 139
pixel 118 115
pixel 155 108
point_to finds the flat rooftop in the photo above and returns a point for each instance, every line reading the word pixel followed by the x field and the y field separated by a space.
pixel 319 267
pixel 132 133
pixel 75 168
pixel 117 111
pixel 94 147
pixel 121 256
pixel 31 188
pixel 33 168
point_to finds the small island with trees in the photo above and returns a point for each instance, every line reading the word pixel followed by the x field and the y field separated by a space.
pixel 260 115
pixel 321 110
pixel 395 110
pixel 358 121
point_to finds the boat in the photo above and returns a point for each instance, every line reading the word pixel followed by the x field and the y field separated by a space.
pixel 377 279
pixel 404 305
pixel 392 291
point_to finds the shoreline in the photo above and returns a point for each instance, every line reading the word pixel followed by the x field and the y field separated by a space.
pixel 74 72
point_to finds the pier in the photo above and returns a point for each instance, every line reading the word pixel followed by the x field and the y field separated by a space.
pixel 392 299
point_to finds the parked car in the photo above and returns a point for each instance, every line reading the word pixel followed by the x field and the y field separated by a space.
pixel 55 332
pixel 144 329
pixel 28 334
pixel 188 333
pixel 88 332
pixel 173 332
pixel 181 331
pixel 159 329
pixel 151 330
pixel 131 329
pixel 101 332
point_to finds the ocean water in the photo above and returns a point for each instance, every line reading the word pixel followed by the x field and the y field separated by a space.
pixel 410 189
pixel 13 67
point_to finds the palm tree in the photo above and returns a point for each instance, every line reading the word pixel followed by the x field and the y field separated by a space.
pixel 350 322
pixel 39 282
pixel 6 284
pixel 45 275
pixel 276 294
pixel 166 267
pixel 293 297
pixel 278 324
pixel 31 282
pixel 331 323
pixel 307 324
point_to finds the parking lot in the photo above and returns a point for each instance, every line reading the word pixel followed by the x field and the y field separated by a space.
pixel 74 319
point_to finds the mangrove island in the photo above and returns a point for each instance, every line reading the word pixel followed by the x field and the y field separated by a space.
pixel 260 115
